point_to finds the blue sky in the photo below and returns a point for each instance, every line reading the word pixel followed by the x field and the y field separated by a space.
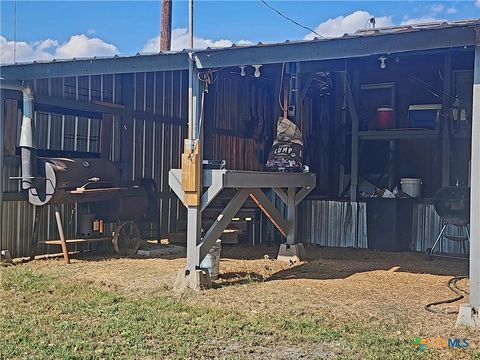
pixel 45 29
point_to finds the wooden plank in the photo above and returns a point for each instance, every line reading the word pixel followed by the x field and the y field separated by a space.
pixel 75 241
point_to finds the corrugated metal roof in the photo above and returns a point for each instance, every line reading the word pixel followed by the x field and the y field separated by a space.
pixel 359 33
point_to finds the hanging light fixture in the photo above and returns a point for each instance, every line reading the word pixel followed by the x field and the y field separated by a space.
pixel 242 70
pixel 383 64
pixel 257 70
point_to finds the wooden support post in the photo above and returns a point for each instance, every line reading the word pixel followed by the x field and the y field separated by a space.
pixel 166 31
pixel 58 218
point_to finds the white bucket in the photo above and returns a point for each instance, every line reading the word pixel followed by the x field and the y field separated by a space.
pixel 211 262
pixel 411 186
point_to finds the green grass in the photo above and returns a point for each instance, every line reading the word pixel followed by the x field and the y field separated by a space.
pixel 42 317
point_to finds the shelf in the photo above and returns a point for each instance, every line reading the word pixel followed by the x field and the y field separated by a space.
pixel 75 241
pixel 399 134
pixel 410 134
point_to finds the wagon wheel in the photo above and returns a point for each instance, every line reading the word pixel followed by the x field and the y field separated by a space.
pixel 126 239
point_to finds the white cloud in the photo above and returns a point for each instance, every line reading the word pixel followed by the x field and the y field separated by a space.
pixel 451 10
pixel 420 20
pixel 48 49
pixel 24 51
pixel 340 25
pixel 83 46
pixel 437 9
pixel 180 42
pixel 244 42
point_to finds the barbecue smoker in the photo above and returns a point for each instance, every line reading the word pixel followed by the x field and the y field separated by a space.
pixel 52 181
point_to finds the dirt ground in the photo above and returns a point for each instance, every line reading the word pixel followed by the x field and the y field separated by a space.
pixel 381 290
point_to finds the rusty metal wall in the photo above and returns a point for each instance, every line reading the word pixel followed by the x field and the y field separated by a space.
pixel 156 147
pixel 333 223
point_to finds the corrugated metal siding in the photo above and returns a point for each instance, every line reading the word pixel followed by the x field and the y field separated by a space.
pixel 241 119
pixel 426 227
pixel 341 224
pixel 333 223
pixel 156 147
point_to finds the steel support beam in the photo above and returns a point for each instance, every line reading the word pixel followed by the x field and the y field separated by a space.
pixel 281 194
pixel 270 211
pixel 194 233
pixel 475 191
pixel 114 65
pixel 222 221
pixel 291 216
pixel 350 102
pixel 469 314
pixel 13 84
pixel 348 47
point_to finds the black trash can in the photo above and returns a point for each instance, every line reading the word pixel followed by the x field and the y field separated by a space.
pixel 389 223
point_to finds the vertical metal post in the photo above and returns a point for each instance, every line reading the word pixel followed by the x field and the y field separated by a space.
pixel 475 190
pixel 190 71
pixel 194 214
pixel 291 216
pixel 447 89
pixel 27 141
pixel 355 144
pixel 194 228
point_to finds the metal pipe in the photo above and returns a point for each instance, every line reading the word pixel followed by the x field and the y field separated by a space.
pixel 190 23
pixel 191 119
pixel 27 141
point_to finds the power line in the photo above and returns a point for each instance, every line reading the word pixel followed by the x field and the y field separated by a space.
pixel 286 17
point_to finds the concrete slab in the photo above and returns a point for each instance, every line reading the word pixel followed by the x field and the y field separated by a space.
pixel 468 317
pixel 192 280
pixel 294 253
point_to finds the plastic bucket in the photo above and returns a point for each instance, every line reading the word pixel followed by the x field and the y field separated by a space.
pixel 384 118
pixel 411 186
pixel 211 262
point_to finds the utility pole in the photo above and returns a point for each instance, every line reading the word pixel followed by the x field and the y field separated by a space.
pixel 166 31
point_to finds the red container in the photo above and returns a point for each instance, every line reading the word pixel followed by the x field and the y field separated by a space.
pixel 384 118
